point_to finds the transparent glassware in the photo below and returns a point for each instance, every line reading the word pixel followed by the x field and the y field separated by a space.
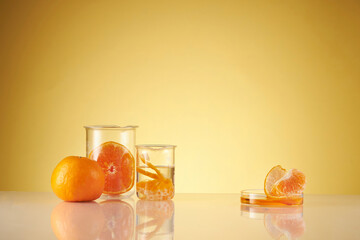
pixel 113 147
pixel 155 172
pixel 258 197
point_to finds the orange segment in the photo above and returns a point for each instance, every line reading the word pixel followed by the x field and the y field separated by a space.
pixel 146 173
pixel 293 182
pixel 272 177
pixel 155 189
pixel 150 165
pixel 118 164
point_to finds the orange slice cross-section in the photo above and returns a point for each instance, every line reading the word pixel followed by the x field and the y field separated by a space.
pixel 118 165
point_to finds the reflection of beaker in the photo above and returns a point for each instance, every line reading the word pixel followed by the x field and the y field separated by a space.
pixel 113 147
pixel 154 220
pixel 280 222
pixel 119 220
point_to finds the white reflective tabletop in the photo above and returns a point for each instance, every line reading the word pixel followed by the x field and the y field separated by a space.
pixel 28 215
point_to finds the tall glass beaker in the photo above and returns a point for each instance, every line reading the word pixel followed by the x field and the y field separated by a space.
pixel 113 147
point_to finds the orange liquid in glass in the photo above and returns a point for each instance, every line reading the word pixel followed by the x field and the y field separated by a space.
pixel 272 201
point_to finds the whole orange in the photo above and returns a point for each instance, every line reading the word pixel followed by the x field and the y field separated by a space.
pixel 78 179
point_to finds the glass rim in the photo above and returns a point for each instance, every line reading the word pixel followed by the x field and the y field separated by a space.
pixel 110 127
pixel 155 146
pixel 260 193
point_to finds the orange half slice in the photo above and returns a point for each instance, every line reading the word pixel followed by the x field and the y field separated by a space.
pixel 118 165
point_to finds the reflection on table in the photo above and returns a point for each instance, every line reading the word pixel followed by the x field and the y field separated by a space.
pixel 155 220
pixel 113 219
pixel 280 222
pixel 106 220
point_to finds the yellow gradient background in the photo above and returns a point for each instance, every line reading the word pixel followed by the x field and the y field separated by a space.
pixel 239 86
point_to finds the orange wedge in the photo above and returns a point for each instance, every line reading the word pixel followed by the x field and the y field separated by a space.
pixel 280 183
pixel 272 177
pixel 292 183
pixel 155 189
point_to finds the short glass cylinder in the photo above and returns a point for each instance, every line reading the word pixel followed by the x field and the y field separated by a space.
pixel 113 147
pixel 155 172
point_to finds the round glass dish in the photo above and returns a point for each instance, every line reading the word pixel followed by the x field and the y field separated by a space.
pixel 258 197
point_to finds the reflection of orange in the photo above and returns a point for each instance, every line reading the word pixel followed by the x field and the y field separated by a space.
pixel 119 217
pixel 280 222
pixel 291 226
pixel 77 179
pixel 118 165
pixel 81 221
